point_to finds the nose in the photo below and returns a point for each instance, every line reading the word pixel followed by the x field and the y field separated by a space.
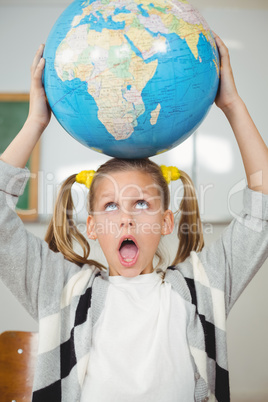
pixel 127 220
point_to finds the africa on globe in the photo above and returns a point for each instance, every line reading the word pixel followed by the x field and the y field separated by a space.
pixel 131 78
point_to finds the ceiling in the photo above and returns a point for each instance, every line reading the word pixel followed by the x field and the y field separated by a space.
pixel 254 4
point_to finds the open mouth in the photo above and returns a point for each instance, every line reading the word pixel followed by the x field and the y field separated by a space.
pixel 128 251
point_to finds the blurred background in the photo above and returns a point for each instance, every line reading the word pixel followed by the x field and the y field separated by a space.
pixel 211 157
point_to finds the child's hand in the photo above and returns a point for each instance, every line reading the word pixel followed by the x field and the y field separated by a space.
pixel 39 112
pixel 20 149
pixel 227 94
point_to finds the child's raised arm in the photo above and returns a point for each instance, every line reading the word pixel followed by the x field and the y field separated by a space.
pixel 20 149
pixel 253 150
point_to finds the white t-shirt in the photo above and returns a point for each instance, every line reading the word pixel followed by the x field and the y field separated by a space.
pixel 139 351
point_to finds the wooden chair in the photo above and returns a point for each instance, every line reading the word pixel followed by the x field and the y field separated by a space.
pixel 18 352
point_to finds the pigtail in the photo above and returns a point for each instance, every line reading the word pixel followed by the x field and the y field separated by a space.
pixel 62 231
pixel 190 233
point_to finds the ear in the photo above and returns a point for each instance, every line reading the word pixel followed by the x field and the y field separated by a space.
pixel 91 234
pixel 168 222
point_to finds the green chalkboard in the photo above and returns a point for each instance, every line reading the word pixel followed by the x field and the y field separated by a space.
pixel 14 109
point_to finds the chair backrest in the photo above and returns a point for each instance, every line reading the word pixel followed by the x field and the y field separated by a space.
pixel 18 351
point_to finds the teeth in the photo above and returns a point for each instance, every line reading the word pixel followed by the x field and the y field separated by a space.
pixel 127 239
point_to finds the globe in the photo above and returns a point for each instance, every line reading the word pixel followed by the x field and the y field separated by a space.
pixel 131 78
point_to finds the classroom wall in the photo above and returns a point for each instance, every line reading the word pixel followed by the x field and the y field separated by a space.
pixel 216 164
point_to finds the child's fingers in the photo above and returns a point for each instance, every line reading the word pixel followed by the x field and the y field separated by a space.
pixel 223 50
pixel 38 68
pixel 225 61
pixel 37 75
pixel 214 34
pixel 37 58
pixel 227 90
pixel 39 71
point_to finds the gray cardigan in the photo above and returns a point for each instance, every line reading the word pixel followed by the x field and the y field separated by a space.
pixel 67 299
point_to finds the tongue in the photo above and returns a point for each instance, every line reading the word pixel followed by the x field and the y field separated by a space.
pixel 128 251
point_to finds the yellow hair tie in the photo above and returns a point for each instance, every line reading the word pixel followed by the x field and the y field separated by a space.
pixel 85 177
pixel 170 173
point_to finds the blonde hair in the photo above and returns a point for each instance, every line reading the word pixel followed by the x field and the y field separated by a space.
pixel 62 232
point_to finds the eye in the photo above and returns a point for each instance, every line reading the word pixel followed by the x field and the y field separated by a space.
pixel 142 204
pixel 111 206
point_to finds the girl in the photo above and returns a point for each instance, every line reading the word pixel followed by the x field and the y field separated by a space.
pixel 126 333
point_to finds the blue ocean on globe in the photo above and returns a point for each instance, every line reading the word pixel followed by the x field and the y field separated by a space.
pixel 131 78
